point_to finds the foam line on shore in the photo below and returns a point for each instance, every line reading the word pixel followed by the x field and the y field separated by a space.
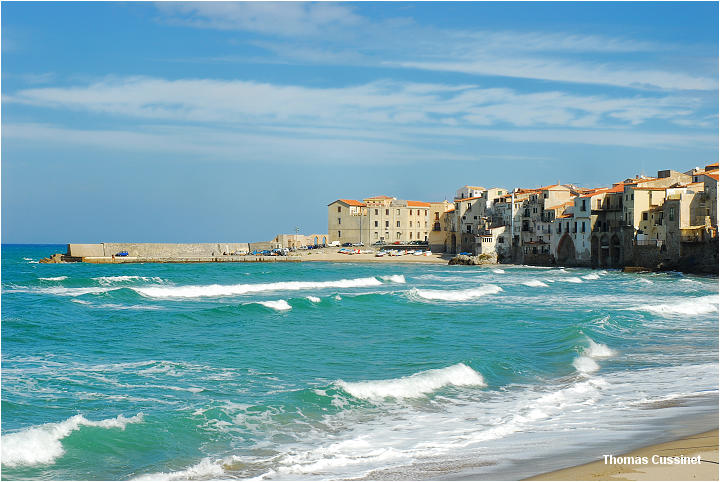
pixel 694 306
pixel 42 444
pixel 198 291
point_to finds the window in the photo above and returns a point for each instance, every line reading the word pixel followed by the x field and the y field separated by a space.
pixel 534 210
pixel 671 214
pixel 499 193
pixel 398 224
pixel 474 217
pixel 398 212
pixel 339 221
pixel 567 227
pixel 339 209
pixel 645 216
pixel 376 234
pixel 410 235
pixel 418 235
pixel 339 234
pixel 575 227
pixel 397 235
pixel 411 224
pixel 376 224
pixel 437 216
pixel 426 221
pixel 583 226
pixel 387 224
pixel 632 196
pixel 387 212
pixel 583 205
pixel 469 205
pixel 599 203
pixel 501 240
pixel 376 212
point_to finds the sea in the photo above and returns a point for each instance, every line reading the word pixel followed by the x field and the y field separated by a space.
pixel 306 371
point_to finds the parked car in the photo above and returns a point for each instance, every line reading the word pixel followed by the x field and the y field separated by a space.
pixel 122 253
pixel 347 245
pixel 335 243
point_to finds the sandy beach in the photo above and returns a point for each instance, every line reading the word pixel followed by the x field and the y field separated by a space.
pixel 704 445
pixel 332 255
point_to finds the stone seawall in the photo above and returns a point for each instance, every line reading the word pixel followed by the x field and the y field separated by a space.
pixel 157 250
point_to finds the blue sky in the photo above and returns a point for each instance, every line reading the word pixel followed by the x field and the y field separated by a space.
pixel 207 121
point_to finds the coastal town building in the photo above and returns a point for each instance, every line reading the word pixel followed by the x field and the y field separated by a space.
pixel 378 219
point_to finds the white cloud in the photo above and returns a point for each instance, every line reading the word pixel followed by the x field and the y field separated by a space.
pixel 285 19
pixel 378 103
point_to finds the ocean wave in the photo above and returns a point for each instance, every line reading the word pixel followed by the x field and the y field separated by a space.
pixel 455 295
pixel 535 283
pixel 498 271
pixel 56 278
pixel 571 279
pixel 107 280
pixel 206 469
pixel 694 306
pixel 198 291
pixel 62 291
pixel 413 386
pixel 394 278
pixel 598 350
pixel 42 444
pixel 314 299
pixel 591 276
pixel 585 364
pixel 278 305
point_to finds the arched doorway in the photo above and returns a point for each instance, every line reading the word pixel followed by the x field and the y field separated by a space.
pixel 316 240
pixel 594 251
pixel 325 240
pixel 566 250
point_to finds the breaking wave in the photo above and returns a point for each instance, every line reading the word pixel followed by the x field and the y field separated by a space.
pixel 413 386
pixel 206 469
pixel 535 283
pixel 241 289
pixel 394 278
pixel 456 295
pixel 278 305
pixel 314 299
pixel 106 280
pixel 42 444
pixel 693 306
pixel 56 278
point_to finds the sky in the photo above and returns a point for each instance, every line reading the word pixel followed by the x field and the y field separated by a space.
pixel 219 122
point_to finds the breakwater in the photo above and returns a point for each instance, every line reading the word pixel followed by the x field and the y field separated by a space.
pixel 101 253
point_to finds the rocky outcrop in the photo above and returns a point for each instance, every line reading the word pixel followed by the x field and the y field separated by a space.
pixel 472 260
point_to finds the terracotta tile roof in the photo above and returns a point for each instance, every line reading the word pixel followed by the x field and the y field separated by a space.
pixel 566 215
pixel 641 188
pixel 461 199
pixel 712 167
pixel 351 202
pixel 713 176
pixel 420 204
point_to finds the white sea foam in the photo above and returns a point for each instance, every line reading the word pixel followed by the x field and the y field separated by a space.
pixel 416 385
pixel 585 364
pixel 394 278
pixel 591 276
pixel 598 350
pixel 456 295
pixel 279 305
pixel 535 283
pixel 42 444
pixel 498 271
pixel 644 280
pixel 338 297
pixel 106 280
pixel 571 279
pixel 241 289
pixel 694 306
pixel 56 278
pixel 62 291
pixel 206 469
pixel 314 299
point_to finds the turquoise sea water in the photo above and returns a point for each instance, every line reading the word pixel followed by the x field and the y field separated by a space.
pixel 328 371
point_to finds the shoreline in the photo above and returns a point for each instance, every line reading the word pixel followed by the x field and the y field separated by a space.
pixel 704 445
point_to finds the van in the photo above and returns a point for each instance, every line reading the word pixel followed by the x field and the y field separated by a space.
pixel 335 243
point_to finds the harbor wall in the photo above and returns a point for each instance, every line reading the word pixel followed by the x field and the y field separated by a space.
pixel 156 250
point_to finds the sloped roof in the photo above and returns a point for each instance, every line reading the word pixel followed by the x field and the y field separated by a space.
pixel 420 204
pixel 349 202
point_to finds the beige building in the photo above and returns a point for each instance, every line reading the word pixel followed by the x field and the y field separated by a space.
pixel 379 219
pixel 439 225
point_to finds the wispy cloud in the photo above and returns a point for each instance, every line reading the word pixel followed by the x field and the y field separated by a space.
pixel 290 31
pixel 374 103
pixel 278 18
